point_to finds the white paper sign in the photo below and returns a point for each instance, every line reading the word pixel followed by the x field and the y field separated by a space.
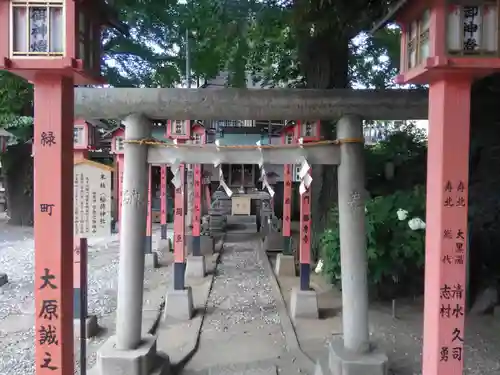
pixel 91 200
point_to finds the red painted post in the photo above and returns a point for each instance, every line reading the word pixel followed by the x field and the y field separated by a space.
pixel 446 225
pixel 287 209
pixel 196 231
pixel 305 239
pixel 179 232
pixel 120 186
pixel 53 201
pixel 208 196
pixel 148 244
pixel 116 184
pixel 163 202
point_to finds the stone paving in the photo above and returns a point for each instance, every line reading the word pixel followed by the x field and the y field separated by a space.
pixel 243 331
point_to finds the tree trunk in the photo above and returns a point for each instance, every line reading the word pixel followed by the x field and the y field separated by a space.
pixel 18 171
pixel 325 62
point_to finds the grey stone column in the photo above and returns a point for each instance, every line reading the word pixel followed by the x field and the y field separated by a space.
pixel 351 189
pixel 134 211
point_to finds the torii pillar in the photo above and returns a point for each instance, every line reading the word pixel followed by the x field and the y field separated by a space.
pixel 151 257
pixel 195 266
pixel 128 348
pixel 163 243
pixel 353 354
pixel 285 262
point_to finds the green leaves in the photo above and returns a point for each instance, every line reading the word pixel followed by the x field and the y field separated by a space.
pixel 395 252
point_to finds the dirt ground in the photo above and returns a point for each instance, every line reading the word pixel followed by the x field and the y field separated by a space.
pixel 400 337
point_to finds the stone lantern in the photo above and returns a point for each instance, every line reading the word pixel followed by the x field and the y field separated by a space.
pixel 54 35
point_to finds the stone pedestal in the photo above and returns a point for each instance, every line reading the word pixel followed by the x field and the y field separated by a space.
pixel 273 242
pixel 139 361
pixel 344 362
pixel 195 266
pixel 91 327
pixel 3 279
pixel 179 304
pixel 164 245
pixel 207 245
pixel 285 265
pixel 188 241
pixel 304 304
pixel 151 260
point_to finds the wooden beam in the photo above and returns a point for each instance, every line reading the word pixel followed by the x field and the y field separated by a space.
pixel 210 154
pixel 250 104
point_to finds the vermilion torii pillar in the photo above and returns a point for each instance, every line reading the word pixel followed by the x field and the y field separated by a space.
pixel 285 262
pixel 195 266
pixel 163 201
pixel 179 301
pixel 151 257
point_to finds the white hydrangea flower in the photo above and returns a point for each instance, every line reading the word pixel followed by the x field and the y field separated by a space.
pixel 402 214
pixel 416 223
pixel 319 266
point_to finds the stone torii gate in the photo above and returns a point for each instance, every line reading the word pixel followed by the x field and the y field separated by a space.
pixel 129 350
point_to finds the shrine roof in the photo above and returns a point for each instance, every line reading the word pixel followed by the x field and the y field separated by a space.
pixel 390 16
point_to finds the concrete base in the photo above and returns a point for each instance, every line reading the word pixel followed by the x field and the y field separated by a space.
pixel 285 265
pixel 140 361
pixel 273 242
pixel 151 260
pixel 207 245
pixel 343 362
pixel 91 327
pixel 164 246
pixel 195 266
pixel 304 304
pixel 188 243
pixel 179 304
pixel 3 279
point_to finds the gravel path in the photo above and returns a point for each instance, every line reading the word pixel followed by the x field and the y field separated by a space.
pixel 16 298
pixel 242 332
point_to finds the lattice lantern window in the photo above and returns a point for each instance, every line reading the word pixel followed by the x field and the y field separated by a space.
pixel 54 36
pixel 418 40
pixel 472 30
pixel 197 138
pixel 309 130
pixel 119 144
pixel 442 37
pixel 37 28
pixel 78 136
